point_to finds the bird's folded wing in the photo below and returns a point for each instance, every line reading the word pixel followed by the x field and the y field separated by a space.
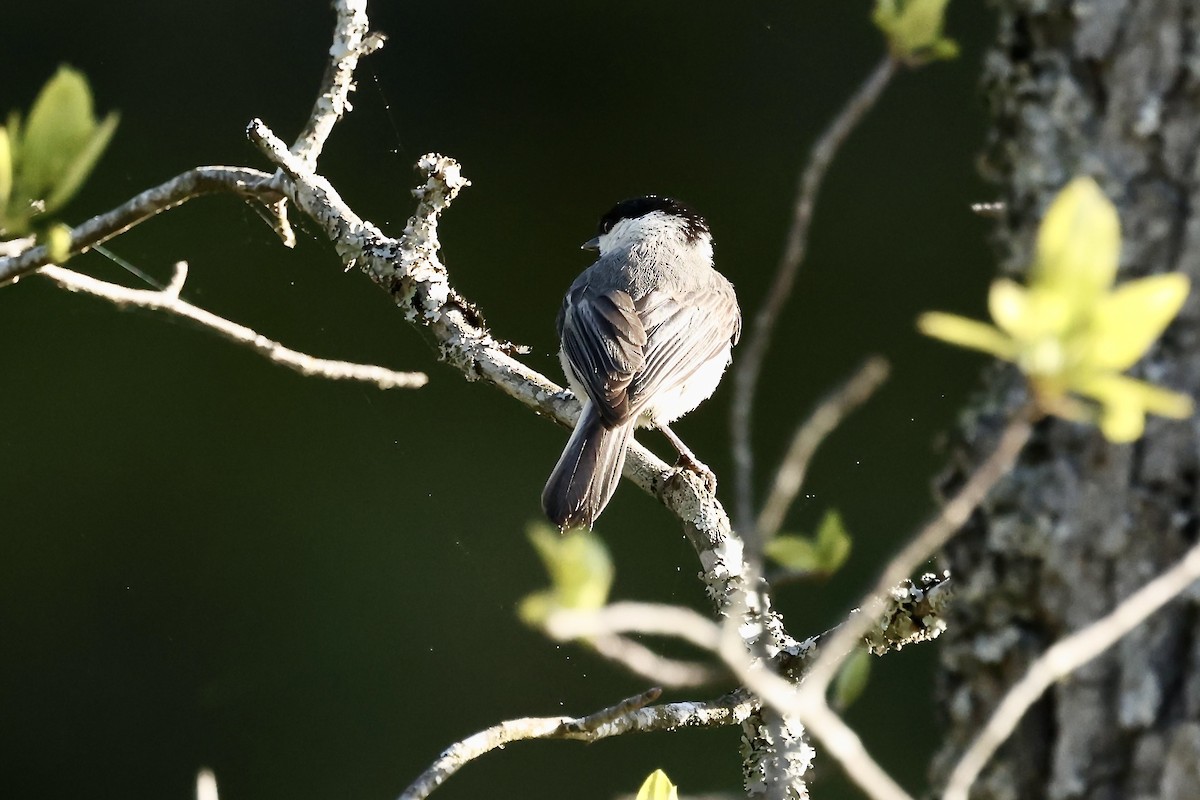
pixel 684 332
pixel 603 339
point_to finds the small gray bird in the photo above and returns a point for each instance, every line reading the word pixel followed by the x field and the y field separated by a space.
pixel 646 336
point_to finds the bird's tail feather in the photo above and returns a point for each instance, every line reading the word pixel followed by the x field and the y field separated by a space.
pixel 587 473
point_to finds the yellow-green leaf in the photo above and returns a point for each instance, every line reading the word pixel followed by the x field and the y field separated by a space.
pixel 76 171
pixel 914 29
pixel 60 142
pixel 822 554
pixel 1127 321
pixel 580 569
pixel 658 787
pixel 851 679
pixel 793 553
pixel 833 542
pixel 967 333
pixel 1008 303
pixel 6 174
pixel 1124 403
pixel 1079 241
pixel 57 239
pixel 13 126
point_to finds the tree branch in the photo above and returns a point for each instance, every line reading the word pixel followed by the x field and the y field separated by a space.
pixel 748 365
pixel 931 538
pixel 629 716
pixel 168 300
pixel 1063 658
pixel 249 183
pixel 670 673
pixel 351 41
pixel 808 437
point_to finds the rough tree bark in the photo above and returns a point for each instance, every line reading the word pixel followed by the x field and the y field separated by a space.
pixel 1109 88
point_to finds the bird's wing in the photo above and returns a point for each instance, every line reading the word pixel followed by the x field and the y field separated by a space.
pixel 603 340
pixel 683 332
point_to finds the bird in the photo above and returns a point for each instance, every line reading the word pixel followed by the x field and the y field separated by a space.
pixel 646 333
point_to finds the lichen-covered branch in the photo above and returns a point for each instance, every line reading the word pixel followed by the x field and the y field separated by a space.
pixel 409 268
pixel 629 716
pixel 351 41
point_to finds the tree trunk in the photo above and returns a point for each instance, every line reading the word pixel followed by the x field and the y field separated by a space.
pixel 1109 88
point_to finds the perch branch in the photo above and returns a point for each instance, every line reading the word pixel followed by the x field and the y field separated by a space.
pixel 168 300
pixel 1063 658
pixel 410 269
pixel 629 716
pixel 749 362
pixel 809 436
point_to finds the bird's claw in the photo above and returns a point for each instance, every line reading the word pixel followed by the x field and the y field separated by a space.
pixel 701 470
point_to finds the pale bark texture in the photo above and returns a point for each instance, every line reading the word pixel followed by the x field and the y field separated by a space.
pixel 1108 88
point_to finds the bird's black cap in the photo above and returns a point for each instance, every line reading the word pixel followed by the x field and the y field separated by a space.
pixel 641 206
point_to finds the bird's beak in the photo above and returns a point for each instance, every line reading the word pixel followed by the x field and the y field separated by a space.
pixel 591 244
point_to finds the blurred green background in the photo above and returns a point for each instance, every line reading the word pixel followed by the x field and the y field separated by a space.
pixel 207 560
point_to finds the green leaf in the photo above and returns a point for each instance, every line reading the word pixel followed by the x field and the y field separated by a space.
pixel 658 787
pixel 914 29
pixel 580 569
pixel 822 554
pixel 851 679
pixel 793 553
pixel 13 126
pixel 60 142
pixel 6 174
pixel 77 171
pixel 57 239
pixel 833 542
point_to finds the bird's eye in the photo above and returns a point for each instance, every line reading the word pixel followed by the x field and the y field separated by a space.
pixel 606 226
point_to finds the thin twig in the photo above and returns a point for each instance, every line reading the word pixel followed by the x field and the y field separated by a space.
pixel 168 300
pixel 351 41
pixel 654 619
pixel 628 716
pixel 249 183
pixel 953 516
pixel 808 437
pixel 1063 658
pixel 749 361
pixel 807 702
pixel 670 673
pixel 790 701
pixel 847 749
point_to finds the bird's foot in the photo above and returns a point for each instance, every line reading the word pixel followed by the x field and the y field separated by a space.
pixel 689 462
